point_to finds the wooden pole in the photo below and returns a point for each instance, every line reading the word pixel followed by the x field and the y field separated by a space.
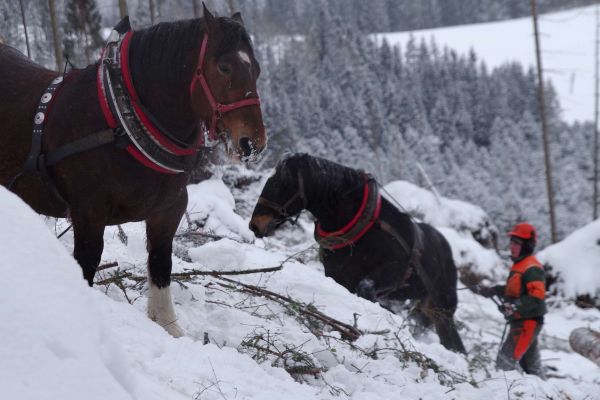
pixel 25 28
pixel 123 8
pixel 55 34
pixel 595 198
pixel 547 159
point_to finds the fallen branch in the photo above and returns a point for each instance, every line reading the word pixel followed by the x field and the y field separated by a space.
pixel 348 331
pixel 107 266
pixel 178 276
pixel 194 235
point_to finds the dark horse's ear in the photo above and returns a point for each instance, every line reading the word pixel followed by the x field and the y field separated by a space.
pixel 238 17
pixel 123 26
pixel 209 20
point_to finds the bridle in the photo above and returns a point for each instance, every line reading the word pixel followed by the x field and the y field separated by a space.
pixel 210 138
pixel 283 210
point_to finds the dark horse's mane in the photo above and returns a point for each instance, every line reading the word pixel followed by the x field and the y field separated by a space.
pixel 160 49
pixel 333 179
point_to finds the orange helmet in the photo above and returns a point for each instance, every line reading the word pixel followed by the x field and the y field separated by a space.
pixel 523 230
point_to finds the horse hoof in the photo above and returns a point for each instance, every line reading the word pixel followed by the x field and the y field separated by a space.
pixel 366 289
pixel 173 329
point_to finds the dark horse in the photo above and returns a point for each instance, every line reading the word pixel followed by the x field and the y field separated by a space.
pixel 378 252
pixel 177 82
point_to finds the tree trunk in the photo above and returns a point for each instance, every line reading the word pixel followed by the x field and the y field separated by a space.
pixel 547 157
pixel 151 7
pixel 196 9
pixel 55 34
pixel 25 28
pixel 231 8
pixel 123 8
pixel 597 41
pixel 586 342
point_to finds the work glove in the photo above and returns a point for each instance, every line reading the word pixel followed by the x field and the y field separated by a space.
pixel 507 309
pixel 485 291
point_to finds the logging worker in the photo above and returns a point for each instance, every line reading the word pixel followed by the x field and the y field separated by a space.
pixel 523 303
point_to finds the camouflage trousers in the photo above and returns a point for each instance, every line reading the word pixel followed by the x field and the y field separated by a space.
pixel 521 344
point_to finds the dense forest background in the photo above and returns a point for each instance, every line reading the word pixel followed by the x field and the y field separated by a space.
pixel 329 89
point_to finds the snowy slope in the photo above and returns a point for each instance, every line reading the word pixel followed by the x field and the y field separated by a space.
pixel 64 338
pixel 576 261
pixel 567 41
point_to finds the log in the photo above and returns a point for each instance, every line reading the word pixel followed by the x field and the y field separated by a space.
pixel 586 342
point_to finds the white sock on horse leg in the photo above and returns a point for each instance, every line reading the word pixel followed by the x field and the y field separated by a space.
pixel 160 309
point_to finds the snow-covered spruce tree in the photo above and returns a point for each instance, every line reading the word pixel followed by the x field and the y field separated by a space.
pixel 82 39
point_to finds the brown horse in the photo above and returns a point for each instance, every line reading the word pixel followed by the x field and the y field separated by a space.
pixel 379 252
pixel 177 81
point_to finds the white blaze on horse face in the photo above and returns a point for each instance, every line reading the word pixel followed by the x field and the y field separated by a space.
pixel 160 309
pixel 244 57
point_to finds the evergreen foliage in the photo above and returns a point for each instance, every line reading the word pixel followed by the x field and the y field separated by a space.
pixel 332 92
pixel 338 95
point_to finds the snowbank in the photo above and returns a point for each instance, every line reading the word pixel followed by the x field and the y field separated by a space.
pixel 211 205
pixel 54 344
pixel 443 212
pixel 63 340
pixel 576 259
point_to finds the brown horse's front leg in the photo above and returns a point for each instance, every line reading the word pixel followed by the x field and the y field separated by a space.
pixel 89 243
pixel 160 230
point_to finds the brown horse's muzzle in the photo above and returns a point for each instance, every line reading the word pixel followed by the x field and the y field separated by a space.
pixel 247 140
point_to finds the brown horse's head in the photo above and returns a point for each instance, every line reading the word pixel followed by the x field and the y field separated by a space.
pixel 230 71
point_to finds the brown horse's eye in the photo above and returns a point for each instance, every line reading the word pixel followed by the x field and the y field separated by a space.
pixel 224 68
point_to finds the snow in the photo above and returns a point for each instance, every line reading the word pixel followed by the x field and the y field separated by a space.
pixel 575 259
pixel 62 339
pixel 436 210
pixel 567 42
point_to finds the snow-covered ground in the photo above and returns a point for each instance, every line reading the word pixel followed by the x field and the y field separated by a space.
pixel 575 261
pixel 567 41
pixel 62 340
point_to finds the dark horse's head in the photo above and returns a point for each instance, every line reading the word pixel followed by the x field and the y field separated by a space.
pixel 282 198
pixel 170 66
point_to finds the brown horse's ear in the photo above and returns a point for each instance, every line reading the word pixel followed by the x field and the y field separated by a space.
pixel 238 17
pixel 209 20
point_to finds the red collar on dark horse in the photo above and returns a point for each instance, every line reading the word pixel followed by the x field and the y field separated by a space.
pixel 122 108
pixel 360 224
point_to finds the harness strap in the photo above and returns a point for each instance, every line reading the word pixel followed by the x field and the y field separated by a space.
pixel 36 161
pixel 282 210
pixel 415 252
pixel 79 146
pixel 363 220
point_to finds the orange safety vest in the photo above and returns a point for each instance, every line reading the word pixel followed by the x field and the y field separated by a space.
pixel 514 284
